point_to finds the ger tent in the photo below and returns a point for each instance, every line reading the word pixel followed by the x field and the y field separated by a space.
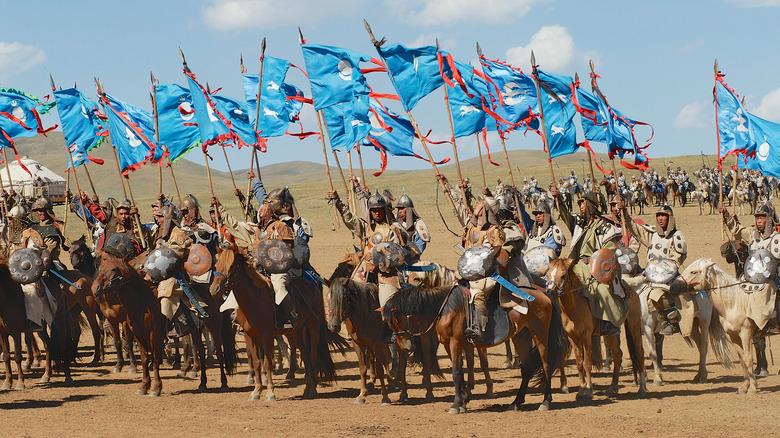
pixel 42 181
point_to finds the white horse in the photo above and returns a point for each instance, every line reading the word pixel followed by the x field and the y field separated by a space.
pixel 738 311
pixel 705 328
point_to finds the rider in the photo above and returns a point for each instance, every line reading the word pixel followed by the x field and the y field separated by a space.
pixel 408 219
pixel 545 232
pixel 48 227
pixel 124 223
pixel 627 240
pixel 664 241
pixel 591 232
pixel 762 235
pixel 11 233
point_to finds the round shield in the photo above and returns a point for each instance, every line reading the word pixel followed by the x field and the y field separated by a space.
pixel 275 256
pixel 604 266
pixel 301 253
pixel 537 260
pixel 628 260
pixel 122 245
pixel 476 263
pixel 25 266
pixel 199 260
pixel 387 256
pixel 660 271
pixel 760 266
pixel 161 263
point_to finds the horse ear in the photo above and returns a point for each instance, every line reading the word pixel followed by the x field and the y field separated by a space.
pixel 568 263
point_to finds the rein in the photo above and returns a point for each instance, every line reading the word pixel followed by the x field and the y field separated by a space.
pixel 408 330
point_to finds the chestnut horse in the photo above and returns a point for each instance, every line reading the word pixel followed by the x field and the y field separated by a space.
pixel 12 322
pixel 80 254
pixel 579 323
pixel 256 315
pixel 142 314
pixel 413 311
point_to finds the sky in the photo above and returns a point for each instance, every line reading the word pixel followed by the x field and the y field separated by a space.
pixel 655 58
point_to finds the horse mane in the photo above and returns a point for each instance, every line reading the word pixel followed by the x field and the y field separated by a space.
pixel 242 256
pixel 363 298
pixel 412 300
pixel 716 278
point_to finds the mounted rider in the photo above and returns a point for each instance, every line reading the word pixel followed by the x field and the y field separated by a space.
pixel 544 231
pixel 762 235
pixel 591 232
pixel 124 223
pixel 627 240
pixel 416 230
pixel 664 241
pixel 11 233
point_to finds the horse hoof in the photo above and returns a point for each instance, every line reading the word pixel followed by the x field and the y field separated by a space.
pixel 270 398
pixel 512 408
pixel 544 406
pixel 181 374
pixel 254 397
pixel 140 392
pixel 403 397
pixel 453 411
pixel 386 402
pixel 564 389
pixel 116 370
pixel 762 373
pixel 360 401
pixel 132 370
pixel 642 392
pixel 612 390
pixel 5 387
pixel 20 387
pixel 657 383
pixel 490 394
pixel 192 375
pixel 44 379
pixel 154 394
pixel 429 397
pixel 507 365
pixel 289 376
pixel 249 381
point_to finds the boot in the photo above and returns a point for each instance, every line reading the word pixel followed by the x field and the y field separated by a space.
pixel 182 326
pixel 670 321
pixel 288 306
pixel 388 337
pixel 33 326
pixel 606 328
pixel 474 332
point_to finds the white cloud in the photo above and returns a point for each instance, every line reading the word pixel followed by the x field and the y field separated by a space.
pixel 693 116
pixel 690 47
pixel 429 39
pixel 769 108
pixel 553 47
pixel 755 3
pixel 228 15
pixel 17 58
pixel 434 12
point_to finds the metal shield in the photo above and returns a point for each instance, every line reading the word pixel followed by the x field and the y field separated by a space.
pixel 628 260
pixel 760 266
pixel 301 253
pixel 275 256
pixel 476 263
pixel 660 271
pixel 25 266
pixel 537 260
pixel 161 263
pixel 198 261
pixel 387 256
pixel 604 266
pixel 122 245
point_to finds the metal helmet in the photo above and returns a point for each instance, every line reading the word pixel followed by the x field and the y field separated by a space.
pixel 42 203
pixel 18 211
pixel 125 203
pixel 121 245
pixel 279 199
pixel 764 210
pixel 405 201
pixel 542 207
pixel 377 201
pixel 188 202
pixel 172 217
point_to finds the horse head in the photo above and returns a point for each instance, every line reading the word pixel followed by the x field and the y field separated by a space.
pixel 337 302
pixel 223 269
pixel 80 256
pixel 400 323
pixel 345 267
pixel 697 272
pixel 558 275
pixel 113 270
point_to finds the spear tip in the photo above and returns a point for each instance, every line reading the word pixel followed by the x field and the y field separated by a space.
pixel 592 66
pixel 716 65
pixel 151 75
pixel 479 50
pixel 300 35
pixel 437 43
pixel 51 79
pixel 368 29
pixel 241 57
pixel 576 77
pixel 533 59
pixel 262 47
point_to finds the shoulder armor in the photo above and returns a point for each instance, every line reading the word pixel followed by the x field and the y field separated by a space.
pixel 558 236
pixel 679 243
pixel 304 225
pixel 774 245
pixel 609 232
pixel 422 230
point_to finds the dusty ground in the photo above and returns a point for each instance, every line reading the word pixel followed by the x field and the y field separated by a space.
pixel 104 404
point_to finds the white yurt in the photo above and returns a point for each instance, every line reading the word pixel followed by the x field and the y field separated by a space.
pixel 43 180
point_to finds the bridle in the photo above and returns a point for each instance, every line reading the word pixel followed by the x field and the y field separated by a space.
pixel 408 330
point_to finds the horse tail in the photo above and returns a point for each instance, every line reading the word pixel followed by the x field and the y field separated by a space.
pixel 719 341
pixel 229 350
pixel 65 334
pixel 326 369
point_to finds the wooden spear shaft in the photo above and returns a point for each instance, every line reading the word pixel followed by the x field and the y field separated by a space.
pixel 211 188
pixel 612 159
pixel 2 187
pixel 452 135
pixel 89 178
pixel 257 122
pixel 360 161
pixel 67 203
pixel 351 174
pixel 8 170
pixel 81 203
pixel 541 118
pixel 173 177
pixel 327 165
pixel 506 157
pixel 156 132
pixel 481 164
pixel 230 170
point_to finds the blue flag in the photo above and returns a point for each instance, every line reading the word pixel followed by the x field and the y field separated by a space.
pixel 512 94
pixel 130 132
pixel 559 111
pixel 766 140
pixel 733 123
pixel 81 126
pixel 468 116
pixel 415 72
pixel 20 115
pixel 347 123
pixel 277 111
pixel 176 120
pixel 595 116
pixel 389 132
pixel 237 113
pixel 334 74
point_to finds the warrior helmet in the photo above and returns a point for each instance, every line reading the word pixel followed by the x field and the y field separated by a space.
pixel 18 211
pixel 42 203
pixel 377 201
pixel 405 201
pixel 542 207
pixel 279 199
pixel 124 204
pixel 189 202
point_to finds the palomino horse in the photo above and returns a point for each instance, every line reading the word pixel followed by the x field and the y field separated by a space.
pixel 12 321
pixel 413 311
pixel 256 315
pixel 580 323
pixel 142 313
pixel 736 309
pixel 703 330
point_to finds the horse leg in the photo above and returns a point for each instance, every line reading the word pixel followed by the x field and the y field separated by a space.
pixel 425 343
pixel 648 330
pixel 736 340
pixel 469 353
pixel 617 359
pixel 379 361
pixel 47 364
pixel 155 339
pixel 146 380
pixel 761 363
pixel 310 358
pixel 199 356
pixel 483 363
pixel 128 342
pixel 363 368
pixel 117 340
pixel 186 362
pixel 6 349
pixel 267 366
pixel 29 341
pixel 455 351
pixel 218 341
pixel 508 362
pixel 400 376
pixel 700 337
pixel 292 360
pixel 746 337
pixel 523 344
pixel 587 365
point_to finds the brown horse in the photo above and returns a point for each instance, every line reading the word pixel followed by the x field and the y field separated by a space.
pixel 81 256
pixel 411 311
pixel 580 323
pixel 142 313
pixel 256 315
pixel 12 321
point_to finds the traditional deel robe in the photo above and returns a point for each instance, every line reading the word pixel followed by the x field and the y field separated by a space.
pixel 607 301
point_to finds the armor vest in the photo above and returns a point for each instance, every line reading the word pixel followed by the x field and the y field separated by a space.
pixel 673 247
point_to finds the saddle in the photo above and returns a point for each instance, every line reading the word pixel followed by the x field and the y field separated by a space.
pixel 499 324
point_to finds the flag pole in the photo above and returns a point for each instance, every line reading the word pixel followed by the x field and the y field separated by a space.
pixel 205 156
pixel 351 174
pixel 414 125
pixel 99 86
pixel 153 95
pixel 734 189
pixel 2 187
pixel 360 160
pixel 596 89
pixel 173 177
pixel 89 178
pixel 67 203
pixel 327 165
pixel 257 121
pixel 589 153
pixel 541 118
pixel 81 203
pixel 481 164
pixel 8 170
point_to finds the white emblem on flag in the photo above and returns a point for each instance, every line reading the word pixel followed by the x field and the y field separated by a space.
pixel 763 151
pixel 345 70
pixel 185 111
pixel 131 138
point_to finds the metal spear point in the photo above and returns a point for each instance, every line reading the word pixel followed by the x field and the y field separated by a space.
pixel 241 57
pixel 262 48
pixel 533 61
pixel 184 61
pixel 370 33
pixel 154 80
pixel 51 80
pixel 479 50
pixel 716 66
pixel 300 35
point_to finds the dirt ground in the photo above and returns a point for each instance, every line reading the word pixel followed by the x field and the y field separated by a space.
pixel 100 403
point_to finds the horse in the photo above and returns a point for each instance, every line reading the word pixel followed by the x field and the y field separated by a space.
pixel 580 322
pixel 82 260
pixel 414 311
pixel 704 330
pixel 82 297
pixel 256 315
pixel 735 308
pixel 12 324
pixel 143 315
